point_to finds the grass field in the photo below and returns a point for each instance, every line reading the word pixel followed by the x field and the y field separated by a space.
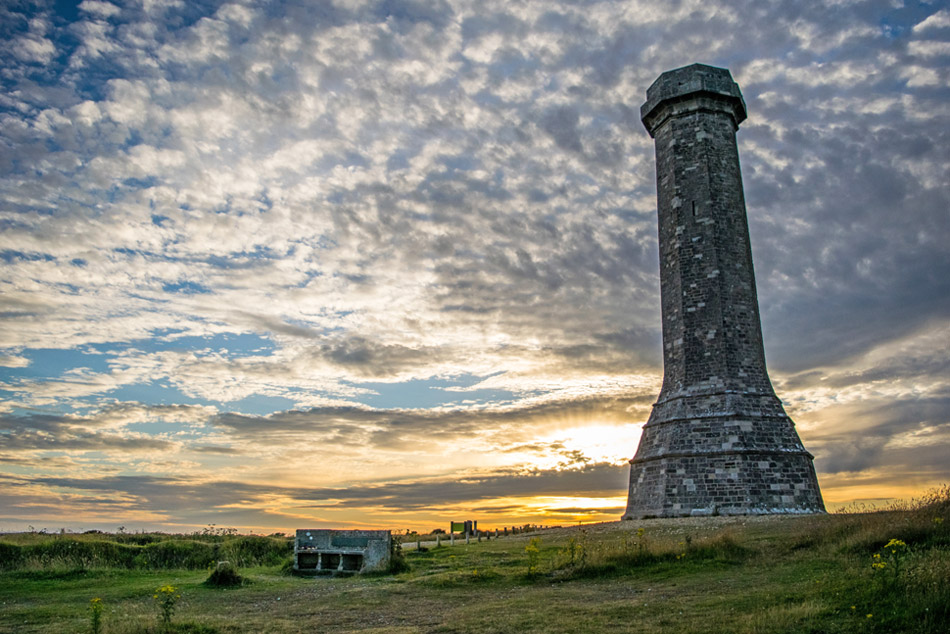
pixel 886 571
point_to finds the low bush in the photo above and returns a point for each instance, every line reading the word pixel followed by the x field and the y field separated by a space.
pixel 11 556
pixel 397 559
pixel 140 550
pixel 66 553
pixel 224 575
pixel 177 553
pixel 253 550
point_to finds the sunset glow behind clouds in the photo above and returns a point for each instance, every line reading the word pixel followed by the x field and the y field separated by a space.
pixel 390 264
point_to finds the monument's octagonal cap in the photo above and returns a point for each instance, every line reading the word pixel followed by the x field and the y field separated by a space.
pixel 707 86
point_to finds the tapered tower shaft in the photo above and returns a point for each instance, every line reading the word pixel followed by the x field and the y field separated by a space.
pixel 718 439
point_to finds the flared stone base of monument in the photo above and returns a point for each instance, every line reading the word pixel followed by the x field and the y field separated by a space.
pixel 723 484
pixel 721 455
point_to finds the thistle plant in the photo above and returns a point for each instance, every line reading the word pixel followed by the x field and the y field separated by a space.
pixel 166 597
pixel 95 615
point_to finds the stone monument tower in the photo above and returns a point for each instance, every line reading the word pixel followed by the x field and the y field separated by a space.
pixel 718 440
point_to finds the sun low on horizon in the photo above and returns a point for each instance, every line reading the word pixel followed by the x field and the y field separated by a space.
pixel 395 264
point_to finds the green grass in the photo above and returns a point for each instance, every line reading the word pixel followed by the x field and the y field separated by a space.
pixel 718 575
pixel 40 551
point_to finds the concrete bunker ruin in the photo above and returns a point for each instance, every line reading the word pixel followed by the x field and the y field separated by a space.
pixel 326 551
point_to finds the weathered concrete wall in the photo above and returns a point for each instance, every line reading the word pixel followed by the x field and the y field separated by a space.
pixel 718 439
pixel 341 551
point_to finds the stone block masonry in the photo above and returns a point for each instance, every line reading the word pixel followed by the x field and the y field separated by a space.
pixel 718 440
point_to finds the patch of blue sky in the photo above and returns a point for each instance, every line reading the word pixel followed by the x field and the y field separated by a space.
pixel 903 17
pixel 164 393
pixel 132 138
pixel 308 276
pixel 488 99
pixel 66 10
pixel 460 162
pixel 231 344
pixel 140 183
pixel 185 287
pixel 61 407
pixel 9 397
pixel 337 197
pixel 180 429
pixel 10 255
pixel 243 259
pixel 54 362
pixel 259 405
pixel 160 392
pixel 399 160
pixel 429 393
pixel 49 363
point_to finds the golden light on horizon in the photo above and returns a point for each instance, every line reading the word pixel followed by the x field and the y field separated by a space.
pixel 600 442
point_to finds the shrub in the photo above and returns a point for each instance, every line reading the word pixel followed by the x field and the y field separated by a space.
pixel 177 553
pixel 224 575
pixel 11 556
pixel 138 539
pixel 140 550
pixel 397 560
pixel 533 551
pixel 253 550
pixel 77 554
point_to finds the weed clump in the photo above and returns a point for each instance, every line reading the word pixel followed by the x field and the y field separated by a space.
pixel 723 548
pixel 224 575
pixel 397 559
pixel 533 551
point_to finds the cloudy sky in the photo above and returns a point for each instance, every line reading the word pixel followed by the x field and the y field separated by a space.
pixel 391 263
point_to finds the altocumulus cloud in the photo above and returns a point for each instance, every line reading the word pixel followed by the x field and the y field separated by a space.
pixel 296 261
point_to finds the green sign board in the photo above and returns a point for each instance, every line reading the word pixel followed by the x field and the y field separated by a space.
pixel 458 527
